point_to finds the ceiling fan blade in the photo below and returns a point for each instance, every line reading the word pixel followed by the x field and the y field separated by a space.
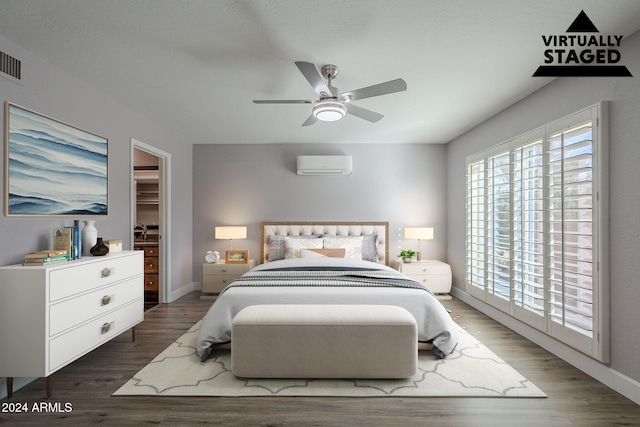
pixel 397 85
pixel 282 101
pixel 311 120
pixel 363 113
pixel 313 76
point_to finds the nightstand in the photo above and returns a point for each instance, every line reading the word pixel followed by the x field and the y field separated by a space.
pixel 435 275
pixel 215 276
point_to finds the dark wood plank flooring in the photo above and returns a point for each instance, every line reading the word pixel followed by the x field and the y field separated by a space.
pixel 87 384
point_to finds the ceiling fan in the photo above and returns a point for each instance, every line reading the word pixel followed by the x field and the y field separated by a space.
pixel 332 105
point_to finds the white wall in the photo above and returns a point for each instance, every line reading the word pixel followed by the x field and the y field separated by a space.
pixel 560 98
pixel 245 184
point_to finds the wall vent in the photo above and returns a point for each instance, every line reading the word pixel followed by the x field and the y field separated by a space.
pixel 10 66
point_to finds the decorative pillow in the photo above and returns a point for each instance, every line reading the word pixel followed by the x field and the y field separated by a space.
pixel 276 245
pixel 292 246
pixel 322 253
pixel 369 247
pixel 351 244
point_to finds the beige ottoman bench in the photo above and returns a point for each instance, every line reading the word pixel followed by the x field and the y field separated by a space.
pixel 324 341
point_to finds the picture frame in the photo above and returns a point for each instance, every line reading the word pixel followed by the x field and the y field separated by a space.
pixel 52 168
pixel 236 257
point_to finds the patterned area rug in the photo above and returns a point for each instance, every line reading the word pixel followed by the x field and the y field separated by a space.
pixel 471 370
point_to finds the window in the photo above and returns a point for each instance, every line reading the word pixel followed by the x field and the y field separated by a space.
pixel 536 229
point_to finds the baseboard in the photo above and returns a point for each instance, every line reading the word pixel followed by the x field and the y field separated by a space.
pixel 624 385
pixel 184 290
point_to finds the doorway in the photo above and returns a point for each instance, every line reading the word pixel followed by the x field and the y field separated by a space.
pixel 149 217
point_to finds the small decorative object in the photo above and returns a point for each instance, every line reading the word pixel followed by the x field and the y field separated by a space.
pixel 63 239
pixel 236 257
pixel 100 248
pixel 212 256
pixel 89 236
pixel 114 245
pixel 407 255
pixel 77 239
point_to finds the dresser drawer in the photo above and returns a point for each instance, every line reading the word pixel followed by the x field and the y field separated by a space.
pixel 72 312
pixel 151 265
pixel 150 251
pixel 74 279
pixel 425 268
pixel 77 342
pixel 220 268
pixel 151 282
pixel 438 284
pixel 215 283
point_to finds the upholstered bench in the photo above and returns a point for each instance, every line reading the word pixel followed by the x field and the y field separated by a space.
pixel 324 341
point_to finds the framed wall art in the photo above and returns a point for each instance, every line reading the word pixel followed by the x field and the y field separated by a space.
pixel 52 168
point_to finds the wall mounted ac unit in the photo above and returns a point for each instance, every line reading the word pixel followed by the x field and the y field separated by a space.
pixel 324 165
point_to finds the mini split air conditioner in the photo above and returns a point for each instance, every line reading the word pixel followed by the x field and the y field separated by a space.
pixel 324 165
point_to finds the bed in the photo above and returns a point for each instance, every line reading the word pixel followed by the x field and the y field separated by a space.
pixel 327 263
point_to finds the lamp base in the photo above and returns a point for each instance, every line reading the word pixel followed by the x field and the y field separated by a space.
pixel 419 256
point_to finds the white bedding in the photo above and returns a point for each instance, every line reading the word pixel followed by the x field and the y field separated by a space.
pixel 434 322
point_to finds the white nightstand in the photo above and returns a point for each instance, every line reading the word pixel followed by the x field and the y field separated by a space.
pixel 215 276
pixel 435 275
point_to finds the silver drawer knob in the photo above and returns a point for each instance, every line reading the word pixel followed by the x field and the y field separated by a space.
pixel 105 328
pixel 106 272
pixel 106 300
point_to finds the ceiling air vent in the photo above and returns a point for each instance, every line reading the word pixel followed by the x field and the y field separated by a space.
pixel 10 66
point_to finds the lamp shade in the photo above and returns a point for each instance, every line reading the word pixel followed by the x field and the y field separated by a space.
pixel 418 233
pixel 231 232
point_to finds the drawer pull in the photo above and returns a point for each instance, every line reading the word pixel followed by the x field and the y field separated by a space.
pixel 152 251
pixel 224 270
pixel 106 272
pixel 106 299
pixel 105 328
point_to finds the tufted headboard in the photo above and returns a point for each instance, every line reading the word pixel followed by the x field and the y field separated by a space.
pixel 327 228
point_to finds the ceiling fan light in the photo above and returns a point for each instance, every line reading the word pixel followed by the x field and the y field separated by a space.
pixel 329 110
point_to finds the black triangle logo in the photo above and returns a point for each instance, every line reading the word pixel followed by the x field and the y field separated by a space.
pixel 582 24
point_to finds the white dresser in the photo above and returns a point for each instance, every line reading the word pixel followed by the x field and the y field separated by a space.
pixel 52 315
pixel 435 275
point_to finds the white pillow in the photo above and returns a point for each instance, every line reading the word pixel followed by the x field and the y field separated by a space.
pixel 351 244
pixel 292 246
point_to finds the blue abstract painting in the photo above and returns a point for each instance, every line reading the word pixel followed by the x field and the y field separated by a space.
pixel 53 168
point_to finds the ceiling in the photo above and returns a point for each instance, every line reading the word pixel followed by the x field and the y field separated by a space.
pixel 196 65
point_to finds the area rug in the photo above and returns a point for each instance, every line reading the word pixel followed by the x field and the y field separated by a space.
pixel 472 370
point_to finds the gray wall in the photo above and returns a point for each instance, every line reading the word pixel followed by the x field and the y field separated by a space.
pixel 48 90
pixel 554 101
pixel 403 184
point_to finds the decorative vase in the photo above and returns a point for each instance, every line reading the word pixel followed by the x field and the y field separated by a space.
pixel 89 236
pixel 99 248
pixel 407 260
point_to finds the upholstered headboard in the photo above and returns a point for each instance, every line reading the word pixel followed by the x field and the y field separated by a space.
pixel 328 228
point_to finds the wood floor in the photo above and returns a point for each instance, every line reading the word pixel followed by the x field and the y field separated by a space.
pixel 86 386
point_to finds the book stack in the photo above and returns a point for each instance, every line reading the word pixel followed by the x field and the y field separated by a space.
pixel 46 257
